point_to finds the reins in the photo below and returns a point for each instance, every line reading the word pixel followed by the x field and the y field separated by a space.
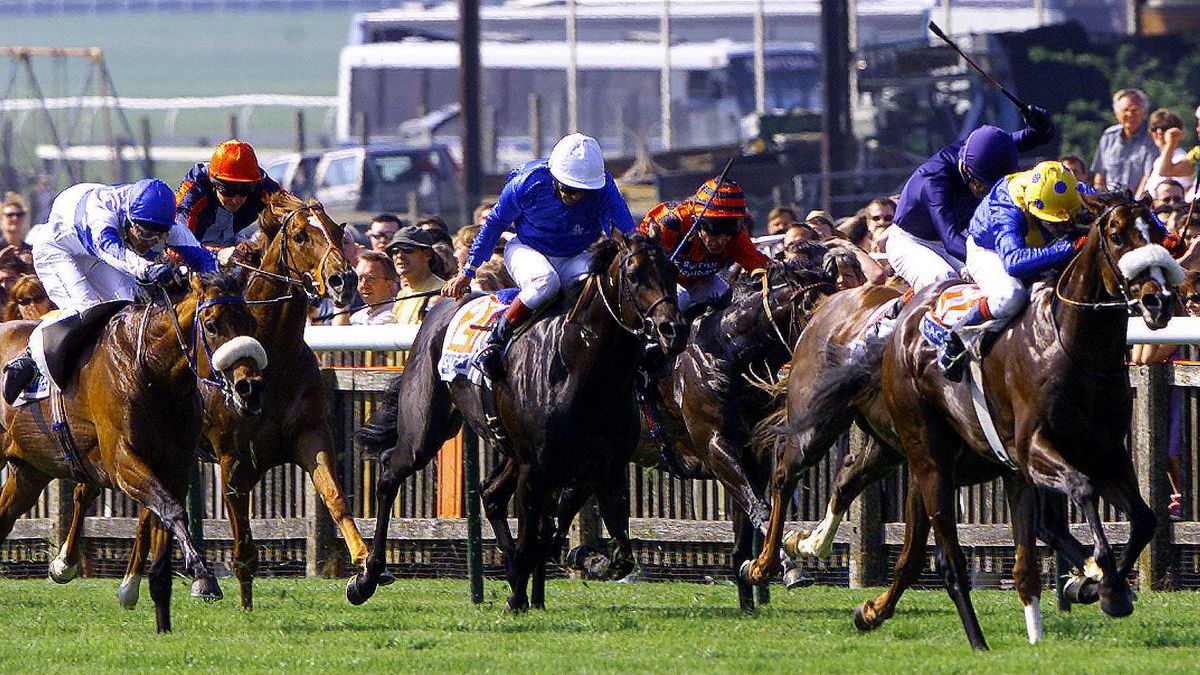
pixel 622 296
pixel 1126 302
pixel 302 280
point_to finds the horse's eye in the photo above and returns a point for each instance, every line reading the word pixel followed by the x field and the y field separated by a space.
pixel 210 325
pixel 1115 238
pixel 300 237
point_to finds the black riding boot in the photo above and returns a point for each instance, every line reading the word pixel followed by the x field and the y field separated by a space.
pixel 491 358
pixel 18 373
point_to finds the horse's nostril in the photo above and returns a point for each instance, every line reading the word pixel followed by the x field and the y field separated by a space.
pixel 243 387
pixel 335 280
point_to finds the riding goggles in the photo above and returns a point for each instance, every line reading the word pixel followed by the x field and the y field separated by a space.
pixel 721 226
pixel 234 189
pixel 147 233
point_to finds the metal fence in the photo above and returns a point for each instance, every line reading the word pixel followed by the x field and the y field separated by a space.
pixel 680 526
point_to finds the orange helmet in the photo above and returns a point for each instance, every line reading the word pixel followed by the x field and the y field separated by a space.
pixel 234 161
pixel 730 201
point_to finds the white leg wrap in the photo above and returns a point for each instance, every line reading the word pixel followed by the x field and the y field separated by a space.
pixel 1033 620
pixel 819 544
pixel 1091 570
pixel 127 592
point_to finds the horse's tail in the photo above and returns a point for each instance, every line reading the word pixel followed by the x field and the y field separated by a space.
pixel 380 433
pixel 858 377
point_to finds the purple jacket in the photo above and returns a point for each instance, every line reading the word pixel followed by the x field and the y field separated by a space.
pixel 936 204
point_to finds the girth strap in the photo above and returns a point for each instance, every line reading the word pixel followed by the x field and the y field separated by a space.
pixel 979 401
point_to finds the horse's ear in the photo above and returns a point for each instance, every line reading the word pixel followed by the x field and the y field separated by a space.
pixel 618 237
pixel 268 222
pixel 1094 203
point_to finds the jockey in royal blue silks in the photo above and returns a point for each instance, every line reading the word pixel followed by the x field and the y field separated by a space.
pixel 1009 246
pixel 99 243
pixel 927 243
pixel 558 207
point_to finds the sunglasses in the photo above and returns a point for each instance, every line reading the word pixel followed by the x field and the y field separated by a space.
pixel 381 235
pixel 1194 298
pixel 882 217
pixel 235 189
pixel 1171 200
pixel 405 249
pixel 568 190
pixel 13 214
pixel 1161 128
pixel 30 301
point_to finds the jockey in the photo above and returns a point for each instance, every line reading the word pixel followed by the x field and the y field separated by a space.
pixel 721 241
pixel 217 199
pixel 928 242
pixel 558 207
pixel 99 243
pixel 1009 246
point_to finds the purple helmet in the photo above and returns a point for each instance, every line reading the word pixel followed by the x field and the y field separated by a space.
pixel 988 155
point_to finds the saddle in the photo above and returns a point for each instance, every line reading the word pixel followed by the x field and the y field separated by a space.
pixel 65 340
pixel 950 307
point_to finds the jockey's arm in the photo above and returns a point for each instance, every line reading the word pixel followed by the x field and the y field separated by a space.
pixel 939 200
pixel 106 235
pixel 182 241
pixel 503 214
pixel 615 211
pixel 190 201
pixel 1022 261
pixel 1039 130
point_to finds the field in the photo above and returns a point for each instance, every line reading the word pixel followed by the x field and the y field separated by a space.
pixel 306 625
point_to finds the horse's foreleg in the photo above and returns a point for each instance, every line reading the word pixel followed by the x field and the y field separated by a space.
pixel 937 490
pixel 911 560
pixel 65 565
pixel 783 483
pixel 131 583
pixel 529 500
pixel 239 480
pixel 1023 504
pixel 613 502
pixel 1121 490
pixel 725 462
pixel 314 453
pixel 496 493
pixel 360 587
pixel 160 576
pixel 743 551
pixel 537 591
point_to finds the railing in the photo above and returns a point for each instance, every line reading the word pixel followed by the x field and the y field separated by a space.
pixel 681 526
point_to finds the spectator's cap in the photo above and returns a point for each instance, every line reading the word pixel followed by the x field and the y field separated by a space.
pixel 818 214
pixel 410 235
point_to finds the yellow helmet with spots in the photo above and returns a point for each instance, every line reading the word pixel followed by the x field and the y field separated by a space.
pixel 1052 193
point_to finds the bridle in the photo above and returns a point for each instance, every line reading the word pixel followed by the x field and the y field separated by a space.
pixel 1126 302
pixel 296 278
pixel 795 323
pixel 624 296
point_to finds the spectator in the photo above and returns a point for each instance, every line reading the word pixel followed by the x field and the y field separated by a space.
pixel 378 286
pixel 27 300
pixel 1166 129
pixel 481 214
pixel 1189 231
pixel 383 227
pixel 462 243
pixel 493 275
pixel 12 267
pixel 800 232
pixel 881 211
pixel 821 222
pixel 1125 152
pixel 350 247
pixel 443 243
pixel 1170 165
pixel 1189 292
pixel 1077 167
pixel 780 219
pixel 15 225
pixel 420 272
pixel 855 230
pixel 806 254
pixel 43 196
pixel 1167 195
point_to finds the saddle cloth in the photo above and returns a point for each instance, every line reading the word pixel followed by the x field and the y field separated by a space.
pixel 467 334
pixel 949 308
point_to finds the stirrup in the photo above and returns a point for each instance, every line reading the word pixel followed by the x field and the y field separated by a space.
pixel 490 360
pixel 952 357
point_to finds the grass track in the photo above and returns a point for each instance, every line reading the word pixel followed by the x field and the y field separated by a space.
pixel 306 625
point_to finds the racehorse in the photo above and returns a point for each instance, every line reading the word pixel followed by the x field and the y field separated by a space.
pixel 712 404
pixel 1057 385
pixel 134 412
pixel 294 261
pixel 565 413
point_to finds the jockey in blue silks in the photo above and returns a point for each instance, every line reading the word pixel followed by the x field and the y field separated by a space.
pixel 928 243
pixel 558 207
pixel 100 242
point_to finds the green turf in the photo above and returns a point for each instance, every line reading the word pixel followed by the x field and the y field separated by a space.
pixel 429 626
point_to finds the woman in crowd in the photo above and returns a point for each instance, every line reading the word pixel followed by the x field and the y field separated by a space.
pixel 27 300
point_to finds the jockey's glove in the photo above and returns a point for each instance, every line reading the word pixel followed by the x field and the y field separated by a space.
pixel 156 273
pixel 1037 118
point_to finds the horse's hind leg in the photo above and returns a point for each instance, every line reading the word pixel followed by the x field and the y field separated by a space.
pixel 743 542
pixel 159 576
pixel 495 493
pixel 873 613
pixel 532 501
pixel 537 586
pixel 65 565
pixel 131 584
pixel 1023 503
pixel 19 494
pixel 937 490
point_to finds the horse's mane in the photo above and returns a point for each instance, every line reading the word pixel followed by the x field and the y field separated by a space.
pixel 279 204
pixel 225 282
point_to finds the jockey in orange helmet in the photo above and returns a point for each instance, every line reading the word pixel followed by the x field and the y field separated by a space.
pixel 720 241
pixel 219 198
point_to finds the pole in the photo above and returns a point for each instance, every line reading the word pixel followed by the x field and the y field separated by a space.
pixel 664 84
pixel 147 144
pixel 474 525
pixel 469 86
pixel 301 140
pixel 535 125
pixel 233 125
pixel 572 72
pixel 760 57
pixel 837 149
pixel 195 507
pixel 946 14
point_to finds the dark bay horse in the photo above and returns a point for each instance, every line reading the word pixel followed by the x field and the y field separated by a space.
pixel 711 405
pixel 134 413
pixel 1057 387
pixel 565 413
pixel 294 260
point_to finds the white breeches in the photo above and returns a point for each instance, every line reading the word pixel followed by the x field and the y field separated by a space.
pixel 540 277
pixel 701 291
pixel 918 261
pixel 1006 295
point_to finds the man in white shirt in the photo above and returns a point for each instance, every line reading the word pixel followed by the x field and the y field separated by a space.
pixel 378 285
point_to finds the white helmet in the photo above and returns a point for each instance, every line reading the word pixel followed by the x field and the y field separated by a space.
pixel 576 162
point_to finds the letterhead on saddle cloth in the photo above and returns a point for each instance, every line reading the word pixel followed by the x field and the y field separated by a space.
pixel 467 333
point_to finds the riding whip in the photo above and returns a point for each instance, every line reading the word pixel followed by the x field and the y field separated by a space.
pixel 986 77
pixel 708 202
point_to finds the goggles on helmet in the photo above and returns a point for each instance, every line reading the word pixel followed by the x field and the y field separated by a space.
pixel 721 225
pixel 568 190
pixel 147 233
pixel 234 188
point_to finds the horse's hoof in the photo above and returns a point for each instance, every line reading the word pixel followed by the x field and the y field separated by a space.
pixel 745 572
pixel 386 578
pixel 860 620
pixel 1081 590
pixel 355 592
pixel 512 607
pixel 797 578
pixel 128 591
pixel 207 589
pixel 61 572
pixel 1117 604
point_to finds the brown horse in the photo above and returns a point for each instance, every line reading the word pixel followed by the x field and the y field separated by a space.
pixel 134 413
pixel 297 259
pixel 565 412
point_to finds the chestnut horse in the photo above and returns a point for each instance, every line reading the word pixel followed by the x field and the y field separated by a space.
pixel 565 412
pixel 295 260
pixel 134 413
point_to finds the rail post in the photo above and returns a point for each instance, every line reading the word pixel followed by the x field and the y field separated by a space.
pixel 61 493
pixel 195 506
pixel 868 556
pixel 1151 427
pixel 474 525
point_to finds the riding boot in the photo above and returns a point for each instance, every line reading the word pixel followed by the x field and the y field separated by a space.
pixel 18 374
pixel 491 358
pixel 952 355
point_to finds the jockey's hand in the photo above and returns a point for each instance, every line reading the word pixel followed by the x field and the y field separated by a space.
pixel 224 255
pixel 457 287
pixel 156 273
pixel 1037 118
